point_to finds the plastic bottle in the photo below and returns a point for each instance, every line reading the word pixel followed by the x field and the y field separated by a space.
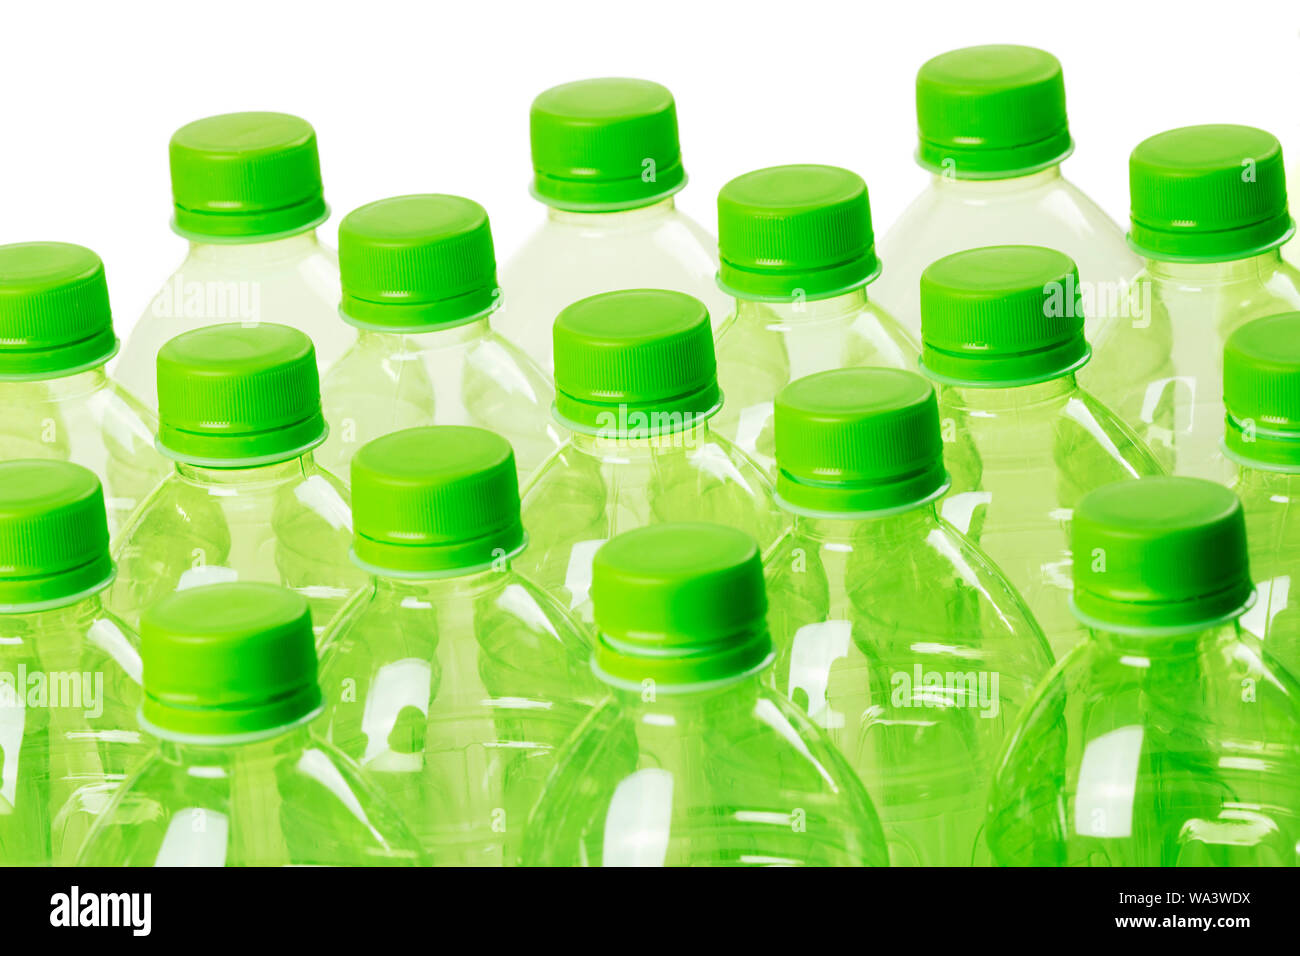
pixel 895 634
pixel 993 135
pixel 69 671
pixel 1002 331
pixel 1209 216
pixel 240 416
pixel 452 679
pixel 694 760
pixel 607 164
pixel 1261 389
pixel 56 397
pixel 241 776
pixel 246 189
pixel 419 281
pixel 1166 738
pixel 636 385
pixel 798 254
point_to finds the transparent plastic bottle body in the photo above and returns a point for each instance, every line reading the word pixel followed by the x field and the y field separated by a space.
pixel 1271 501
pixel 733 776
pixel 577 254
pixel 69 693
pixel 287 523
pixel 1162 368
pixel 1021 457
pixel 1174 750
pixel 910 650
pixel 596 487
pixel 454 694
pixel 290 800
pixel 467 375
pixel 293 281
pixel 88 419
pixel 1041 209
pixel 764 346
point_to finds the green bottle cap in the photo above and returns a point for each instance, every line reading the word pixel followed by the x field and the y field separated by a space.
pixel 1208 194
pixel 791 231
pixel 858 440
pixel 1261 390
pixel 635 363
pixel 54 314
pixel 1159 553
pixel 246 177
pixel 603 145
pixel 436 499
pixel 1001 316
pixel 679 605
pixel 991 112
pixel 416 262
pixel 53 533
pixel 235 395
pixel 228 659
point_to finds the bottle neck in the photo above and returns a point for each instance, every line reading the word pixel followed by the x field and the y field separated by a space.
pixel 221 755
pixel 57 386
pixel 777 315
pixel 995 187
pixel 1197 274
pixel 439 591
pixel 236 475
pixel 607 219
pixel 858 529
pixel 1257 480
pixel 683 439
pixel 412 343
pixel 1053 391
pixel 1162 647
pixel 239 253
pixel 682 708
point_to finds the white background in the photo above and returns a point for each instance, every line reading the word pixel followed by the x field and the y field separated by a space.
pixel 434 97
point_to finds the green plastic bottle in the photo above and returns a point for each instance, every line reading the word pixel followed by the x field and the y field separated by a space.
pixel 1168 738
pixel 607 165
pixel 894 633
pixel 798 254
pixel 636 385
pixel 69 670
pixel 452 679
pixel 246 192
pixel 419 282
pixel 240 415
pixel 1002 331
pixel 56 397
pixel 694 760
pixel 240 775
pixel 1209 217
pixel 1261 390
pixel 993 134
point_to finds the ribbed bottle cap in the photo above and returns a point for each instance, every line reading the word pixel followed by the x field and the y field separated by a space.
pixel 1002 315
pixel 1261 390
pixel 635 363
pixel 54 314
pixel 605 144
pixel 679 604
pixel 238 394
pixel 415 262
pixel 1207 194
pixel 228 659
pixel 858 439
pixel 795 230
pixel 1159 553
pixel 53 532
pixel 243 177
pixel 435 499
pixel 991 112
